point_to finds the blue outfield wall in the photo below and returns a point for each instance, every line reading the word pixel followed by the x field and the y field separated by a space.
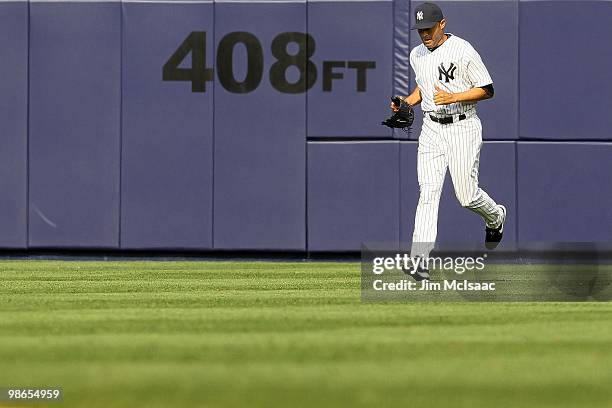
pixel 13 124
pixel 167 133
pixel 353 194
pixel 74 124
pixel 260 150
pixel 228 125
pixel 350 35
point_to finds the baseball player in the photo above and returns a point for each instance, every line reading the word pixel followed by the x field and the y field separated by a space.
pixel 451 78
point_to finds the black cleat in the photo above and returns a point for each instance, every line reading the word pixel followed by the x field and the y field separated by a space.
pixel 495 235
pixel 420 274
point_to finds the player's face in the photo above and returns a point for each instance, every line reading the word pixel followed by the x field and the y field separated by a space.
pixel 432 37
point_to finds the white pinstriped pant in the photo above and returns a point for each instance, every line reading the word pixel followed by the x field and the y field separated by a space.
pixel 455 146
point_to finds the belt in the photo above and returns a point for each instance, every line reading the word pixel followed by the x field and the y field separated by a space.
pixel 445 120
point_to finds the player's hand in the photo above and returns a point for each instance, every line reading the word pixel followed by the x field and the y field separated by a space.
pixel 441 97
pixel 394 107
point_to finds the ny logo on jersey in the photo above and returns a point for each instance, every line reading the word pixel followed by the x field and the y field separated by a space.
pixel 448 73
pixel 419 15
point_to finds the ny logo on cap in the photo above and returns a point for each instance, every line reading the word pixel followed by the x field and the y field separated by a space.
pixel 419 15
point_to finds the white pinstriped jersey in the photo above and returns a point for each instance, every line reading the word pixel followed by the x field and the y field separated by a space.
pixel 455 66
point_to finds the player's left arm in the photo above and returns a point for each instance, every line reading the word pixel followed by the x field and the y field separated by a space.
pixel 441 97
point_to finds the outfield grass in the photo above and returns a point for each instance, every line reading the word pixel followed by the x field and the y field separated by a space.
pixel 198 334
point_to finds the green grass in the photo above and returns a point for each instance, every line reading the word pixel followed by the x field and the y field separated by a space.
pixel 254 334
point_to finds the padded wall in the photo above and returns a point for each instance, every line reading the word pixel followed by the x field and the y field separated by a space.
pixel 74 128
pixel 564 191
pixel 167 157
pixel 260 136
pixel 565 87
pixel 166 124
pixel 356 40
pixel 13 123
pixel 353 194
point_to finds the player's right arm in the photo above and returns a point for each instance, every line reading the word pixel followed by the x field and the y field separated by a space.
pixel 414 98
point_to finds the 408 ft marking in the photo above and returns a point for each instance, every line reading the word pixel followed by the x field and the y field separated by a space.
pixel 198 74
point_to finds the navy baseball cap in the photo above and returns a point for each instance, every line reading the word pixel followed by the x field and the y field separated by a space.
pixel 426 15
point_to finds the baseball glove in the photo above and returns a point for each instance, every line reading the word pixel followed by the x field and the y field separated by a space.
pixel 403 118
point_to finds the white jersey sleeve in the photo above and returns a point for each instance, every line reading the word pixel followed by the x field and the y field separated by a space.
pixel 477 72
pixel 412 65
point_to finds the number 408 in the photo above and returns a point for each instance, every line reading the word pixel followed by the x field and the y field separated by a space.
pixel 199 74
